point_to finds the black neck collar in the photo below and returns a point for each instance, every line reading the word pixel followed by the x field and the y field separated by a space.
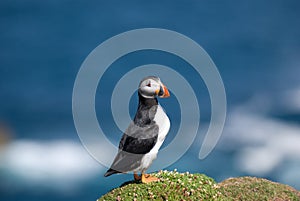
pixel 147 102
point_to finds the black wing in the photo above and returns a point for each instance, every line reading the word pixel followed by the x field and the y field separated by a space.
pixel 139 140
pixel 136 142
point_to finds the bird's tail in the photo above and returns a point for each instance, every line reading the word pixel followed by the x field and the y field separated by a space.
pixel 110 172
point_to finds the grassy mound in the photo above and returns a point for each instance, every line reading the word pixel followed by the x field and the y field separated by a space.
pixel 251 188
pixel 186 186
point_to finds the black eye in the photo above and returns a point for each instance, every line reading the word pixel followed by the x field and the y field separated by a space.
pixel 149 84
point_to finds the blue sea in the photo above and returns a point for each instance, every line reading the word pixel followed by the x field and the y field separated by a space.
pixel 255 46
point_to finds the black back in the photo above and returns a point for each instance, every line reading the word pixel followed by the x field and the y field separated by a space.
pixel 139 138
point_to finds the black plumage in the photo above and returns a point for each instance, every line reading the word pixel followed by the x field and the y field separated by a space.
pixel 132 146
pixel 141 141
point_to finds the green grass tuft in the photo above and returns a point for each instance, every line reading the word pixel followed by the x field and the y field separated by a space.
pixel 185 186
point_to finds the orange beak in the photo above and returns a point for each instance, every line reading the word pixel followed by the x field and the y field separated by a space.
pixel 166 92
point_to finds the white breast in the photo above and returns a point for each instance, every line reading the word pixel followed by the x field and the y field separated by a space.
pixel 163 123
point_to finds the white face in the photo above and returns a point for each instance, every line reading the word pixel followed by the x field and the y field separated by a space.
pixel 149 88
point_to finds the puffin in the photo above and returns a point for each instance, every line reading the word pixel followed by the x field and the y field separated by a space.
pixel 144 136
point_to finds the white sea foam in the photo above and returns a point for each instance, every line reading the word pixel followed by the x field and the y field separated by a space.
pixel 60 163
pixel 264 143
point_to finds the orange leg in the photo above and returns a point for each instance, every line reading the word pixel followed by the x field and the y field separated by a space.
pixel 146 178
pixel 136 176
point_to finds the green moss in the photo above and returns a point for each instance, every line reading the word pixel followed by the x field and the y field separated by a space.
pixel 172 186
pixel 185 186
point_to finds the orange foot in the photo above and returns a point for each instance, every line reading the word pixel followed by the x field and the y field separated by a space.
pixel 146 178
pixel 136 177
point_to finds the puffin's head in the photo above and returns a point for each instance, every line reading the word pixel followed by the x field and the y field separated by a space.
pixel 151 87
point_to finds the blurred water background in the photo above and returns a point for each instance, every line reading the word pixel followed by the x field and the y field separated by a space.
pixel 255 45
